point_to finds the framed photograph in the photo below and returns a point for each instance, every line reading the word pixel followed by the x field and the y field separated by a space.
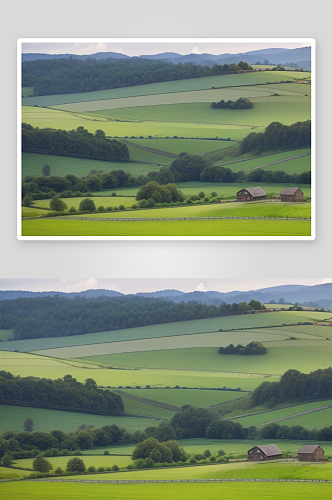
pixel 166 139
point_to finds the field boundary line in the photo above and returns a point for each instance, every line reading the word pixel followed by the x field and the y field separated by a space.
pixel 140 481
pixel 157 219
pixel 296 415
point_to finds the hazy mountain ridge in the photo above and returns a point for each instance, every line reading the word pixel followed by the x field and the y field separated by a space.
pixel 300 57
pixel 318 294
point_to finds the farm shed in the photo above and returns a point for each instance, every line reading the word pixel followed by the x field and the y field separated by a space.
pixel 291 194
pixel 264 452
pixel 251 194
pixel 310 453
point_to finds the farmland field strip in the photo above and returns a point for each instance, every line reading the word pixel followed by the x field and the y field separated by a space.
pixel 280 161
pixel 297 415
pixel 149 401
pixel 157 219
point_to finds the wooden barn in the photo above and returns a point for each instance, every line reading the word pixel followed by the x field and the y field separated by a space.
pixel 251 194
pixel 291 194
pixel 264 452
pixel 310 453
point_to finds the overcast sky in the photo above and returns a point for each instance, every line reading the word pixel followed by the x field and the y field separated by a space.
pixel 145 47
pixel 134 285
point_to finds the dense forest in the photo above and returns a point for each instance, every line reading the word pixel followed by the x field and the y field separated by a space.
pixel 60 316
pixel 68 76
pixel 251 348
pixel 278 136
pixel 78 143
pixel 66 394
pixel 294 386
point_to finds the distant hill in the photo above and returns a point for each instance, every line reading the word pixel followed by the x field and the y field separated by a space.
pixel 314 296
pixel 300 57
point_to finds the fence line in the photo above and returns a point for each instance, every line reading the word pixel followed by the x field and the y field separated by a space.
pixel 139 481
pixel 131 219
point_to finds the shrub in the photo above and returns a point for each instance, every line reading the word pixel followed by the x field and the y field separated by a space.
pixel 115 468
pixel 87 205
pixel 92 468
pixel 122 207
pixel 101 469
pixel 106 452
pixel 109 209
pixel 58 470
pixel 75 465
pixel 72 210
pixel 101 208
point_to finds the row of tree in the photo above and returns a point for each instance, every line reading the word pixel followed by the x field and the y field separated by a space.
pixel 60 316
pixel 79 143
pixel 294 386
pixel 67 76
pixel 241 103
pixel 251 348
pixel 65 393
pixel 277 136
pixel 157 443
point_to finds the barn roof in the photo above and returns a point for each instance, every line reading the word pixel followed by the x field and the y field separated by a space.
pixel 255 191
pixel 290 190
pixel 268 449
pixel 308 448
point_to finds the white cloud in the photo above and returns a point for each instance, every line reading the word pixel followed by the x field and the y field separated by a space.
pixel 195 50
pixel 200 287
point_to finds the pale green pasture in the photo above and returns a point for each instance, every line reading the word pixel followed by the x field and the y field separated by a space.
pixel 43 367
pixel 61 165
pixel 177 146
pixel 6 334
pixel 164 330
pixel 105 201
pixel 140 155
pixel 8 473
pixel 219 228
pixel 167 87
pixel 293 165
pixel 240 491
pixel 236 209
pixel 316 330
pixel 282 355
pixel 12 418
pixel 179 397
pixel 33 212
pixel 146 410
pixel 44 118
pixel 315 419
pixel 27 91
pixel 286 109
pixel 95 460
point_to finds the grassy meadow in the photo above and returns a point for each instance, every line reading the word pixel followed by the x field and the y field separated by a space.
pixel 241 491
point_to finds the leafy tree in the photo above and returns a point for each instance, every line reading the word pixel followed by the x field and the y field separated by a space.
pixel 87 205
pixel 46 169
pixel 75 464
pixel 57 204
pixel 28 424
pixel 58 471
pixel 191 422
pixel 40 464
pixel 6 460
pixel 27 200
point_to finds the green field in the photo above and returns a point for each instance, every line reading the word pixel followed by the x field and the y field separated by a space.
pixel 315 419
pixel 240 491
pixel 62 165
pixel 177 146
pixel 251 228
pixel 280 357
pixel 166 87
pixel 42 366
pixel 12 418
pixel 172 109
pixel 173 329
pixel 232 209
pixel 95 460
pixel 6 334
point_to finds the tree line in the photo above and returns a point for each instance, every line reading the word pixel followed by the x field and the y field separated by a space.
pixel 189 422
pixel 251 348
pixel 241 103
pixel 79 143
pixel 65 393
pixel 42 317
pixel 68 76
pixel 277 136
pixel 294 386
